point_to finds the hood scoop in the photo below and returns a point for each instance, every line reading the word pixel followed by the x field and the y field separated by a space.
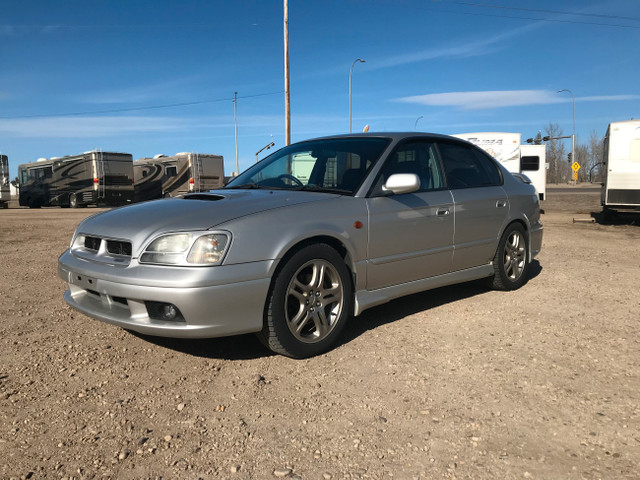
pixel 203 196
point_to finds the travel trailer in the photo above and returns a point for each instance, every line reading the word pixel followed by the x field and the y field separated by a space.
pixel 621 186
pixel 5 191
pixel 167 176
pixel 91 178
pixel 529 160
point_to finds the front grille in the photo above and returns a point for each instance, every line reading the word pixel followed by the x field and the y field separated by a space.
pixel 117 247
pixel 104 250
pixel 92 243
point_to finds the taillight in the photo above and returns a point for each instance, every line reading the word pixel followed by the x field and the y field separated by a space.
pixel 191 181
pixel 96 181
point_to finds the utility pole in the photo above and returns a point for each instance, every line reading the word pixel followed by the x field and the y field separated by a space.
pixel 351 75
pixel 287 102
pixel 235 122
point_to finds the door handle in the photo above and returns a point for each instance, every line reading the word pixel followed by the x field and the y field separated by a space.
pixel 442 211
pixel 501 203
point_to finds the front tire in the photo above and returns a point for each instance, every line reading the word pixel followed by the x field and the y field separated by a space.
pixel 309 303
pixel 511 261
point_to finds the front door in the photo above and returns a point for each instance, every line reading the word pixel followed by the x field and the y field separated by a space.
pixel 410 235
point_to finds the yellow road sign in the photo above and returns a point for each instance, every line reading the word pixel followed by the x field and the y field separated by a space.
pixel 575 176
pixel 575 166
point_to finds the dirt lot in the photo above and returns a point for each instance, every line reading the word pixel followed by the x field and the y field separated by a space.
pixel 459 382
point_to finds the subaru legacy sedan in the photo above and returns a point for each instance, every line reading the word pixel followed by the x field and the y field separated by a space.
pixel 310 236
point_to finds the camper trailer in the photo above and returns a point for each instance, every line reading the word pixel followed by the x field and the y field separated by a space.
pixel 167 176
pixel 529 160
pixel 621 186
pixel 91 178
pixel 5 192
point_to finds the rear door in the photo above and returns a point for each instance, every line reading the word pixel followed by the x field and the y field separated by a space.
pixel 481 204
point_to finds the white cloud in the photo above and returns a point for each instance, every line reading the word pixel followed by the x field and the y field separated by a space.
pixel 167 89
pixel 84 127
pixel 469 48
pixel 502 98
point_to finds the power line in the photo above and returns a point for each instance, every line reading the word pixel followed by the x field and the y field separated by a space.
pixel 135 109
pixel 539 19
pixel 560 12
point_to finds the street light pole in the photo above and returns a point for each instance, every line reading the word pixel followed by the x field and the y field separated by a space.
pixel 235 122
pixel 350 75
pixel 287 98
pixel 415 125
pixel 573 135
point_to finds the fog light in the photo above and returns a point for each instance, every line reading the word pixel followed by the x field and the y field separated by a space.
pixel 169 312
pixel 166 312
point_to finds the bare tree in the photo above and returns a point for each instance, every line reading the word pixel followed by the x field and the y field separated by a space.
pixel 596 157
pixel 582 157
pixel 558 166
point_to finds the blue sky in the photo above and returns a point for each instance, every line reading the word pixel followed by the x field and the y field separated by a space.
pixel 150 77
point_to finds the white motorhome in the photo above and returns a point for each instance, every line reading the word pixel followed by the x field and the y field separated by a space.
pixel 5 191
pixel 621 186
pixel 529 160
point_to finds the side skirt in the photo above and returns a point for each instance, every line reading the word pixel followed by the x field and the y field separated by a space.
pixel 365 299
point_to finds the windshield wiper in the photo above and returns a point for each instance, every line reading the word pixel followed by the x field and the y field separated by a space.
pixel 318 188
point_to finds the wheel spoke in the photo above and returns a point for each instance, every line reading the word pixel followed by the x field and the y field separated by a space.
pixel 301 297
pixel 334 293
pixel 304 318
pixel 322 325
pixel 318 275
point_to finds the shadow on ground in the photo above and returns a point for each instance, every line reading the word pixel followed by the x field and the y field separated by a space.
pixel 248 347
pixel 618 218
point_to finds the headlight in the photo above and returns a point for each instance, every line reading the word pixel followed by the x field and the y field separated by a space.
pixel 186 249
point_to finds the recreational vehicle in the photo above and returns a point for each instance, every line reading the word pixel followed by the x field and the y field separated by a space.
pixel 5 192
pixel 529 160
pixel 621 186
pixel 91 178
pixel 167 176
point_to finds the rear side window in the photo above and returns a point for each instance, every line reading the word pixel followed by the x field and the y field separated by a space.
pixel 466 167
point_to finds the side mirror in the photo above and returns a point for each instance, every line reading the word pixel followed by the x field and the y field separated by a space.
pixel 402 183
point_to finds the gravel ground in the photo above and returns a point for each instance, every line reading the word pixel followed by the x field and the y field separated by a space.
pixel 458 382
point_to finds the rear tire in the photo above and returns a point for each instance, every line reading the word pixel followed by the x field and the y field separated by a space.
pixel 309 302
pixel 511 261
pixel 73 201
pixel 33 203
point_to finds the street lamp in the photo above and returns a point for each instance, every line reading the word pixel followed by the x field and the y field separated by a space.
pixel 573 135
pixel 235 123
pixel 415 125
pixel 350 75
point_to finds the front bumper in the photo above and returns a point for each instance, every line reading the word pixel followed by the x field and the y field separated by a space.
pixel 214 301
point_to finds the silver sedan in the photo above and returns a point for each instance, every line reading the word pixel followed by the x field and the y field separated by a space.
pixel 315 233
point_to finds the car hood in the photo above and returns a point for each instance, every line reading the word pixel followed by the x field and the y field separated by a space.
pixel 198 211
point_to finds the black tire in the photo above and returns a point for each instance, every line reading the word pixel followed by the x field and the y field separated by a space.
pixel 73 201
pixel 309 302
pixel 511 261
pixel 33 203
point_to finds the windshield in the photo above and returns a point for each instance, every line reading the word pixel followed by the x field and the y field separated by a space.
pixel 333 165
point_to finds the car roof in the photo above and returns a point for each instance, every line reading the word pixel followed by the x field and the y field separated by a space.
pixel 391 135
